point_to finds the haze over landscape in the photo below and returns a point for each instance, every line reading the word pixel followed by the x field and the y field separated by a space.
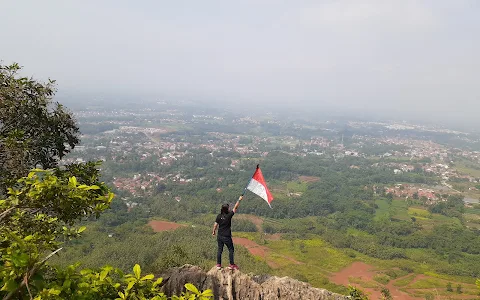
pixel 363 116
pixel 396 59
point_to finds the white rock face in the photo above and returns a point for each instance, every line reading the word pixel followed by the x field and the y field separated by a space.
pixel 235 285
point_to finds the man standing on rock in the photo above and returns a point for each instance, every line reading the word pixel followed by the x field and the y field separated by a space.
pixel 224 237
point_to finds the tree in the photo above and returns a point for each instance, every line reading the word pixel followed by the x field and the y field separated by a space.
pixel 356 294
pixel 449 287
pixel 429 296
pixel 41 210
pixel 386 295
pixel 34 130
pixel 110 283
pixel 389 197
pixel 459 289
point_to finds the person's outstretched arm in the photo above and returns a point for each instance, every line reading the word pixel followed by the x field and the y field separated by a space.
pixel 237 204
pixel 214 228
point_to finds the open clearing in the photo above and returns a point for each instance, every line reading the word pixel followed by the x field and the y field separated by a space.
pixel 314 259
pixel 159 226
pixel 262 251
pixel 358 273
pixel 309 178
pixel 408 287
pixel 252 247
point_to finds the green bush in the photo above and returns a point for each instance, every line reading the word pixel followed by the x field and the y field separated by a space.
pixel 243 225
pixel 382 278
pixel 110 283
pixel 356 294
pixel 37 217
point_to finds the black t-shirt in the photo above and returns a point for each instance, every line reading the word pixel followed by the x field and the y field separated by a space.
pixel 224 222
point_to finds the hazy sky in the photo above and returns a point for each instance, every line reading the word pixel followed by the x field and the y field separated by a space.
pixel 421 57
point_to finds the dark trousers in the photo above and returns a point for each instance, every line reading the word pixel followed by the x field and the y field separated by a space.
pixel 224 240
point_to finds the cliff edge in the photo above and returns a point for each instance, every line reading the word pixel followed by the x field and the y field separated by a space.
pixel 235 285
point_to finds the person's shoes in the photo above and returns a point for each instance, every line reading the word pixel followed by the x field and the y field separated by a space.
pixel 233 267
pixel 219 266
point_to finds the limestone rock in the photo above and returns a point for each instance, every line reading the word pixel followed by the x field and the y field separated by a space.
pixel 235 285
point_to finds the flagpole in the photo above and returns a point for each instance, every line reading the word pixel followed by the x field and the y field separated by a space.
pixel 245 189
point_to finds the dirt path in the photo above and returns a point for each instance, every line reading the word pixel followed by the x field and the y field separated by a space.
pixel 251 246
pixel 365 273
pixel 159 226
pixel 437 290
pixel 309 178
pixel 399 294
pixel 261 251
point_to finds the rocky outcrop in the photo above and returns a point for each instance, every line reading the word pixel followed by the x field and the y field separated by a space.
pixel 235 285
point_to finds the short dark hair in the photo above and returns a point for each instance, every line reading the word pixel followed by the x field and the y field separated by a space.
pixel 224 209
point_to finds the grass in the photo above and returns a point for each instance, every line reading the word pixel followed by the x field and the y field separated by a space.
pixel 400 209
pixel 404 281
pixel 396 273
pixel 383 207
pixel 461 166
pixel 452 278
pixel 311 273
pixel 314 261
pixel 358 233
pixel 296 186
pixel 320 260
pixel 382 278
pixel 314 252
pixel 441 219
pixel 311 260
pixel 428 283
pixel 253 236
pixel 369 284
pixel 475 211
pixel 471 217
pixel 419 213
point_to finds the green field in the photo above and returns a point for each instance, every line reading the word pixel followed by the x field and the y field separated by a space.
pixel 316 261
pixel 296 186
pixel 462 167
pixel 404 281
pixel 383 208
pixel 419 213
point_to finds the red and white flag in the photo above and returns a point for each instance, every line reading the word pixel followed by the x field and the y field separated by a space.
pixel 258 186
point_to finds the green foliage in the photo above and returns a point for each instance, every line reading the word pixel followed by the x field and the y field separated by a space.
pixel 109 283
pixel 38 215
pixel 404 281
pixel 386 295
pixel 382 278
pixel 429 296
pixel 156 252
pixel 356 294
pixel 243 225
pixel 449 287
pixel 453 207
pixel 343 199
pixel 393 274
pixel 34 130
pixel 40 212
